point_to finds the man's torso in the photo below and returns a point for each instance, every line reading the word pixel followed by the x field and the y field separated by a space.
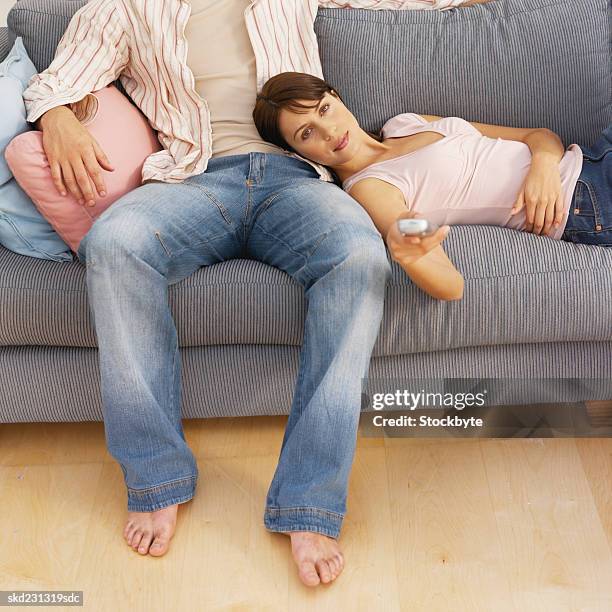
pixel 222 60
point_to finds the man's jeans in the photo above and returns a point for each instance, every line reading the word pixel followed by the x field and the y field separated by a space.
pixel 590 216
pixel 269 207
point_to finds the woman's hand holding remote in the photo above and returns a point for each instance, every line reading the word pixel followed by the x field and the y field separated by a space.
pixel 425 261
pixel 409 249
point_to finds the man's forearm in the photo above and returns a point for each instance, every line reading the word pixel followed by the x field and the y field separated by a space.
pixel 40 122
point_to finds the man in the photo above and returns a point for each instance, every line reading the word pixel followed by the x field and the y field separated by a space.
pixel 215 192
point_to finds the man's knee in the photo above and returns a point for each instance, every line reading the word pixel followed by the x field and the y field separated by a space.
pixel 124 231
pixel 367 254
pixel 354 251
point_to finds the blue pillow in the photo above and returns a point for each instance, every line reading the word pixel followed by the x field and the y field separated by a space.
pixel 22 228
pixel 15 72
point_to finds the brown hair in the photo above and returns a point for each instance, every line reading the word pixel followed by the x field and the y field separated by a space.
pixel 283 91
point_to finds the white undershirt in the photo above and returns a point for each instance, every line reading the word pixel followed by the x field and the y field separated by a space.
pixel 222 60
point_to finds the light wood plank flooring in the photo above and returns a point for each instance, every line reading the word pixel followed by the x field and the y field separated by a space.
pixel 455 525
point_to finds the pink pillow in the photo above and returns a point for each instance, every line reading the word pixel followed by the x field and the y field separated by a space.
pixel 126 137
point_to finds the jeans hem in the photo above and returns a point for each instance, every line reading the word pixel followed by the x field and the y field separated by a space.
pixel 303 518
pixel 161 496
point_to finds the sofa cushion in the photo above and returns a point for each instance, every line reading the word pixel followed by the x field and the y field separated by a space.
pixel 519 289
pixel 522 63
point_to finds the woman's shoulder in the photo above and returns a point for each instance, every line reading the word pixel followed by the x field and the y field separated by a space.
pixel 402 124
pixel 405 124
pixel 376 187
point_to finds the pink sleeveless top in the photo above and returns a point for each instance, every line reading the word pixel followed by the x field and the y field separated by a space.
pixel 464 178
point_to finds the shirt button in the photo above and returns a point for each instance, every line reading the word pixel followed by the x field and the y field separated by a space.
pixel 598 227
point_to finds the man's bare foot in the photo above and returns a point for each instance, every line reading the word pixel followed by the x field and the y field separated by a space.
pixel 150 532
pixel 318 557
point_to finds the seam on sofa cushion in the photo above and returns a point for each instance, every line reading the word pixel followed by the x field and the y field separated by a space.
pixel 546 272
pixel 296 284
pixel 470 18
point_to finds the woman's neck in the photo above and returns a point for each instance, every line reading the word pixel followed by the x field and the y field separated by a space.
pixel 368 152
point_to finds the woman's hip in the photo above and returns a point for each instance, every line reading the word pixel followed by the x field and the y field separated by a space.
pixel 590 215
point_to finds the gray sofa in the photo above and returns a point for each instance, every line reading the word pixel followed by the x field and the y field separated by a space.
pixel 533 309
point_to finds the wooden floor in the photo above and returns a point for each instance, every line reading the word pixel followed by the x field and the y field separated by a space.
pixel 455 525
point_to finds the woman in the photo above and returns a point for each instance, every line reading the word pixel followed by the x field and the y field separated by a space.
pixel 447 170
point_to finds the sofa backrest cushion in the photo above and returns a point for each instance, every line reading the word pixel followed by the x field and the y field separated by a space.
pixel 41 24
pixel 522 63
pixel 5 43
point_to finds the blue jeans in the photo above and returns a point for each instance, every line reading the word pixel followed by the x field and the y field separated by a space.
pixel 269 207
pixel 590 215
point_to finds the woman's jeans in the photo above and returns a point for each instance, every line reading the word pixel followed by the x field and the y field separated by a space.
pixel 268 207
pixel 590 216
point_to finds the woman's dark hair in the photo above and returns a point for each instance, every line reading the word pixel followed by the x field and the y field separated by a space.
pixel 283 91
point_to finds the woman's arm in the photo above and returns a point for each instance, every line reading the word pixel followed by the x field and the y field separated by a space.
pixel 541 192
pixel 543 143
pixel 423 259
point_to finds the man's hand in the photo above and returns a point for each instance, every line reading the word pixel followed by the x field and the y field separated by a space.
pixel 407 250
pixel 74 156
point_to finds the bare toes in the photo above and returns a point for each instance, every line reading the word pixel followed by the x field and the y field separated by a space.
pixel 324 570
pixel 308 573
pixel 339 562
pixel 333 566
pixel 143 549
pixel 159 546
pixel 129 533
pixel 132 535
pixel 136 539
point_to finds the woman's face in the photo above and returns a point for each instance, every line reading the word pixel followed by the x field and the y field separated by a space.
pixel 327 134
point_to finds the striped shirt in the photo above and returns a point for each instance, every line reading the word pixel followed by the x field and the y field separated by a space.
pixel 142 43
